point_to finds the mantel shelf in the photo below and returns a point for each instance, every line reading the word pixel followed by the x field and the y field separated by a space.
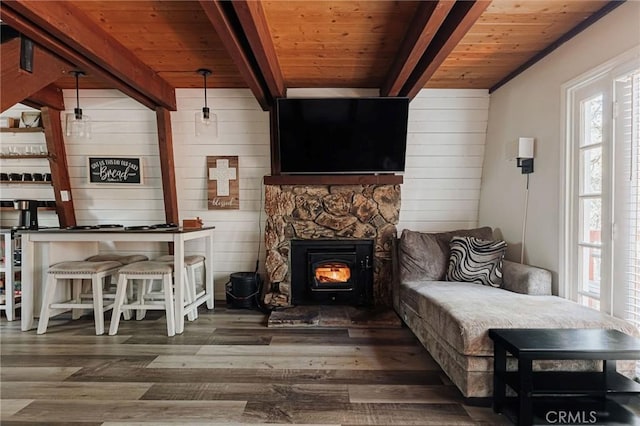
pixel 333 180
pixel 21 130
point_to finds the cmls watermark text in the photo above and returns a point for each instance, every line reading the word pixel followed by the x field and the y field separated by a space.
pixel 566 417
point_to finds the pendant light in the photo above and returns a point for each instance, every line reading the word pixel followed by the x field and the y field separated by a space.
pixel 206 122
pixel 78 126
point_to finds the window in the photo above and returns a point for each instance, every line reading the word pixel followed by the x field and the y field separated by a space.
pixel 601 248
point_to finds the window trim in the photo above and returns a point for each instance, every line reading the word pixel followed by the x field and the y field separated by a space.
pixel 609 70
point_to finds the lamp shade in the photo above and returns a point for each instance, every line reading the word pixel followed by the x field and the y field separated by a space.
pixel 525 147
pixel 206 124
pixel 78 126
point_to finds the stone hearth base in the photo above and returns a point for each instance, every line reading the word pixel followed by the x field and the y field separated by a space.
pixel 334 316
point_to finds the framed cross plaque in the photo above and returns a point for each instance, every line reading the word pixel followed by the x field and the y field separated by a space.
pixel 223 191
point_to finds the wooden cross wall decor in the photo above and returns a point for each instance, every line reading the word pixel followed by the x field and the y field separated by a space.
pixel 223 191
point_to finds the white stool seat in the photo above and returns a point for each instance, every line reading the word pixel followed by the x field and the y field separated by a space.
pixel 124 259
pixel 146 271
pixel 189 260
pixel 75 272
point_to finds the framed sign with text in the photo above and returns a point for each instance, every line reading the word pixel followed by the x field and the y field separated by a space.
pixel 115 170
pixel 223 191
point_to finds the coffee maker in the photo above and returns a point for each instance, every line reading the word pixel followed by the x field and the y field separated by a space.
pixel 28 213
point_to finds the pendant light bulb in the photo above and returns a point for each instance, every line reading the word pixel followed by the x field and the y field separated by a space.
pixel 206 123
pixel 78 126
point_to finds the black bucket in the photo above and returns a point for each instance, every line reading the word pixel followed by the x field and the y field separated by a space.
pixel 243 290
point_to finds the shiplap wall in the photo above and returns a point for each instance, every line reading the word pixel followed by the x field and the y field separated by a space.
pixel 445 150
pixel 243 130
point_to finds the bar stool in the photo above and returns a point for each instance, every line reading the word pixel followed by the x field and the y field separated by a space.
pixel 75 272
pixel 124 259
pixel 145 270
pixel 192 263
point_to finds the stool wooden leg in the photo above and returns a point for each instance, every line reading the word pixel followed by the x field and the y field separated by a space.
pixel 98 304
pixel 144 287
pixel 76 291
pixel 45 311
pixel 121 293
pixel 168 302
pixel 189 295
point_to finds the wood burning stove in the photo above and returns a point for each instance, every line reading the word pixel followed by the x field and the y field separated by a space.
pixel 331 272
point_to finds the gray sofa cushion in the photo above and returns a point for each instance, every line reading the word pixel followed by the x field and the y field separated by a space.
pixel 462 313
pixel 425 256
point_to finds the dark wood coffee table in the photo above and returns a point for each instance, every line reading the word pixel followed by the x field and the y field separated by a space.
pixel 546 387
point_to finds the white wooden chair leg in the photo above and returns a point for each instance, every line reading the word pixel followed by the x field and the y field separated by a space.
pixel 189 295
pixel 121 293
pixel 98 304
pixel 76 290
pixel 168 301
pixel 45 311
pixel 144 287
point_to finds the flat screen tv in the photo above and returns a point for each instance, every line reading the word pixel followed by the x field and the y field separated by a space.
pixel 342 135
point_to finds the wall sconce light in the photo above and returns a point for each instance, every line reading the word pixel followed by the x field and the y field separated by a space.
pixel 206 122
pixel 78 125
pixel 525 155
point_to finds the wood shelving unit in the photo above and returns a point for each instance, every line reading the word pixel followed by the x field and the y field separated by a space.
pixel 21 129
pixel 21 156
pixel 25 182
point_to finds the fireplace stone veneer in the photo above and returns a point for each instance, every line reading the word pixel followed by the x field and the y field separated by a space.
pixel 316 212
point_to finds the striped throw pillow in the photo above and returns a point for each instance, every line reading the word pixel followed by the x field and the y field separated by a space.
pixel 474 260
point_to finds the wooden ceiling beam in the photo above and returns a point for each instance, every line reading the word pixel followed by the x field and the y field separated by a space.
pixel 423 28
pixel 17 84
pixel 254 25
pixel 460 19
pixel 50 96
pixel 224 27
pixel 66 31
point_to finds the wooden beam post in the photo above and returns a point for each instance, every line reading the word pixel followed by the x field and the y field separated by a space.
pixel 424 26
pixel 16 84
pixel 255 28
pixel 232 43
pixel 50 96
pixel 63 29
pixel 167 165
pixel 461 18
pixel 58 165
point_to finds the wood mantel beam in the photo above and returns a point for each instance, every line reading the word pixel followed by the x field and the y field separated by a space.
pixel 424 26
pixel 51 96
pixel 63 29
pixel 254 25
pixel 218 16
pixel 460 19
pixel 17 85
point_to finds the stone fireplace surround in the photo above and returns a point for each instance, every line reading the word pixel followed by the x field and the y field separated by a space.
pixel 314 212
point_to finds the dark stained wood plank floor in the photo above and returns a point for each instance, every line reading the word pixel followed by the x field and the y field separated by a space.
pixel 227 368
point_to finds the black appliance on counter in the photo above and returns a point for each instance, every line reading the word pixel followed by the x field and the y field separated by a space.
pixel 28 213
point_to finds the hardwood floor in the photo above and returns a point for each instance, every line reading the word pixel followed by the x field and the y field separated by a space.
pixel 227 368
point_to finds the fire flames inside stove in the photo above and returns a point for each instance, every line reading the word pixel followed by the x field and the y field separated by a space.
pixel 332 273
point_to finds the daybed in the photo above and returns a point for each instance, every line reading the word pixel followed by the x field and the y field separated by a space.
pixel 452 319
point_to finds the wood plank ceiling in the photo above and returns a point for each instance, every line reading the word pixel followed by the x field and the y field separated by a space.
pixel 331 43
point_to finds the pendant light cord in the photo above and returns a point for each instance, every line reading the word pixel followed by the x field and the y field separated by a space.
pixel 78 111
pixel 204 75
